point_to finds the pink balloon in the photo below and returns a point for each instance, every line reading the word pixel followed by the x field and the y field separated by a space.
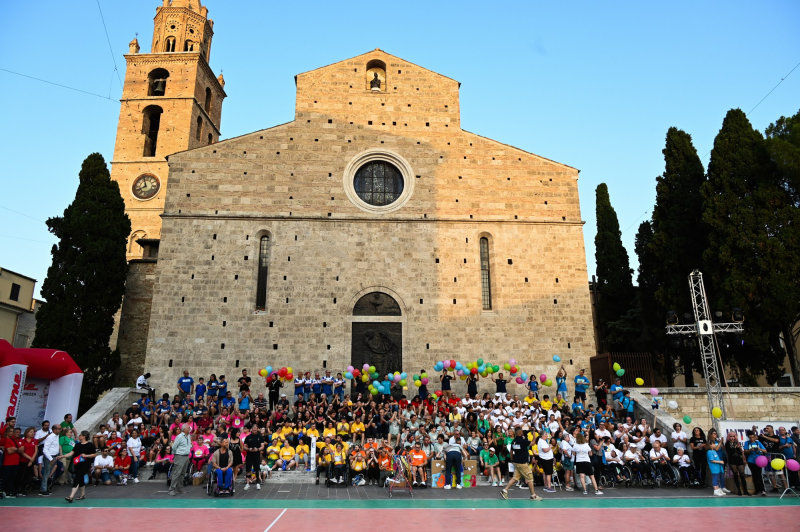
pixel 366 367
pixel 397 378
pixel 762 461
pixel 542 377
pixel 513 361
pixel 446 364
pixel 425 381
pixel 792 464
pixel 519 380
pixel 460 372
pixel 654 391
pixel 350 369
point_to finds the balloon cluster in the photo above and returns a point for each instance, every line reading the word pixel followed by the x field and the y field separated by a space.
pixel 451 365
pixel 618 369
pixel 285 373
pixel 420 380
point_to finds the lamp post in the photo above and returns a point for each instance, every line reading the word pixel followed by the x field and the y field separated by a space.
pixel 704 328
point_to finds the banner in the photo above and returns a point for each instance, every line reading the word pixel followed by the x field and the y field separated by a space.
pixel 741 427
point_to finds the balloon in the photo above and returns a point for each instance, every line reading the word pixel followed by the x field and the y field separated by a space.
pixel 348 376
pixel 519 380
pixel 425 381
pixel 506 366
pixel 366 367
pixel 404 375
pixel 374 391
pixel 417 383
pixel 364 378
pixel 416 377
pixel 474 371
pixel 480 362
pixel 375 384
pixel 542 377
pixel 424 375
pixel 374 375
pixel 672 404
pixel 620 372
pixel 262 372
pixel 512 361
pixel 556 358
pixel 289 376
pixel 462 377
pixel 438 393
pixel 269 370
pixel 616 366
pixel 350 369
pixel 453 364
pixel 459 366
pixel 490 369
pixel 716 412
pixel 524 376
pixel 548 382
pixel 397 378
pixel 495 368
pixel 653 391
pixel 405 387
pixel 460 372
pixel 514 369
pixel 282 372
pixel 445 364
pixel 687 420
pixel 289 370
pixel 777 464
pixel 762 461
pixel 792 464
pixel 639 381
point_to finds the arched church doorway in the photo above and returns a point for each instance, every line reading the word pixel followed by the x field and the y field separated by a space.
pixel 377 336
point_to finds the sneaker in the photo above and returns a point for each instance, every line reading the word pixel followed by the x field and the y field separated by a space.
pixel 598 492
pixel 172 493
pixel 246 487
pixel 536 498
pixel 459 486
pixel 549 490
pixel 258 486
pixel 503 493
pixel 21 494
pixel 569 489
pixel 585 492
pixel 726 490
pixel 414 484
pixel 124 481
pixel 136 481
pixel 362 482
pixel 719 493
pixel 494 484
pixel 522 486
pixel 447 487
pixel 12 496
pixel 308 469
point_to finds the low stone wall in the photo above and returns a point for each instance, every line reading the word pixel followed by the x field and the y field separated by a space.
pixel 116 400
pixel 766 403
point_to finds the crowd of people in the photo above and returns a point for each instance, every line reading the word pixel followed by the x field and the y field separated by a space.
pixel 205 428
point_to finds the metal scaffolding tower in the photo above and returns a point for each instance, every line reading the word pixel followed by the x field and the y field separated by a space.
pixel 705 329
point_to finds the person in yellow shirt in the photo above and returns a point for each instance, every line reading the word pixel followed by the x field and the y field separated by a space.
pixel 273 453
pixel 339 464
pixel 343 430
pixel 287 457
pixel 345 445
pixel 329 431
pixel 311 431
pixel 530 399
pixel 303 455
pixel 546 403
pixel 287 431
pixel 357 431
pixel 359 467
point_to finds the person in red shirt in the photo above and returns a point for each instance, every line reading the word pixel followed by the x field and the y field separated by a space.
pixel 27 459
pixel 122 467
pixel 10 463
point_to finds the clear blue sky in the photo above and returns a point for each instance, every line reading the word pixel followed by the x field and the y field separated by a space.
pixel 594 85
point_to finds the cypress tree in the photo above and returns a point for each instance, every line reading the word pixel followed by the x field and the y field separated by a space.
pixel 86 280
pixel 752 255
pixel 615 293
pixel 679 234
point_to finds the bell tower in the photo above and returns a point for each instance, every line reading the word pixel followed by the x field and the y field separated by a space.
pixel 171 102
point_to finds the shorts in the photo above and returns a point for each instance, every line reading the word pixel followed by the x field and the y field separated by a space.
pixel 546 465
pixel 567 464
pixel 584 468
pixel 105 476
pixel 582 395
pixel 523 471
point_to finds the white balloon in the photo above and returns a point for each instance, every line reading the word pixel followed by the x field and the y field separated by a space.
pixel 673 405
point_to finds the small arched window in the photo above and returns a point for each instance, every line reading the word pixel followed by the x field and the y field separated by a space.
pixel 263 270
pixel 207 105
pixel 151 121
pixel 157 82
pixel 188 46
pixel 486 287
pixel 199 132
pixel 169 44
pixel 210 138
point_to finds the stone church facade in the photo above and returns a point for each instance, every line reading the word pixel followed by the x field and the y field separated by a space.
pixel 371 228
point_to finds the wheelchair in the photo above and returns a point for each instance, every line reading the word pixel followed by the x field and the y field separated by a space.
pixel 187 477
pixel 642 478
pixel 330 476
pixel 658 475
pixel 607 476
pixel 212 486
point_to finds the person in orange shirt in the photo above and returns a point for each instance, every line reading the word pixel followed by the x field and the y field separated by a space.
pixel 418 459
pixel 385 464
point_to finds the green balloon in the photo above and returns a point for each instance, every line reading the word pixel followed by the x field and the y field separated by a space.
pixel 548 382
pixel 496 368
pixel 620 372
pixel 687 419
pixel 480 362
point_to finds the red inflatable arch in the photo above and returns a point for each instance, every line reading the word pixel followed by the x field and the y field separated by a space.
pixel 37 384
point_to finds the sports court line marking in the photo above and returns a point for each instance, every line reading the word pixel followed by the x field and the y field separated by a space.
pixel 276 520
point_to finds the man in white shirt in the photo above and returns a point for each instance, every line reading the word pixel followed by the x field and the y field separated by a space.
pixel 103 465
pixel 657 436
pixel 678 437
pixel 142 384
pixel 660 459
pixel 601 431
pixel 50 452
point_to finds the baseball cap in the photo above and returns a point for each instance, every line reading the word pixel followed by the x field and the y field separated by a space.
pixel 283 395
pixel 491 449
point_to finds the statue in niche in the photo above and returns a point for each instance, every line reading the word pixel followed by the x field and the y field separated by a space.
pixel 375 84
pixel 376 304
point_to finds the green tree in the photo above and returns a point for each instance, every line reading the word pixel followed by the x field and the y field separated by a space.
pixel 752 256
pixel 86 280
pixel 679 234
pixel 615 292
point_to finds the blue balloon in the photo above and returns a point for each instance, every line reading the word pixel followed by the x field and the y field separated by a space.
pixel 269 370
pixel 376 384
pixel 459 366
pixel 524 376
pixel 556 358
pixel 403 375
pixel 348 375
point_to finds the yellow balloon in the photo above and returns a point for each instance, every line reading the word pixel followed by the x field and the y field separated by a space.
pixel 639 381
pixel 777 464
pixel 616 366
pixel 716 412
pixel 405 387
pixel 289 370
pixel 364 378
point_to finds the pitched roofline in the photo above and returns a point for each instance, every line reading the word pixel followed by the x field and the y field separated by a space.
pixel 523 151
pixel 232 138
pixel 367 53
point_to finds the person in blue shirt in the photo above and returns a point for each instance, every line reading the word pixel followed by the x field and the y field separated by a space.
pixel 147 413
pixel 299 386
pixel 789 449
pixel 222 387
pixel 338 387
pixel 561 383
pixel 244 402
pixel 228 401
pixel 308 386
pixel 200 389
pixel 163 412
pixel 213 386
pixel 577 406
pixel 616 394
pixel 533 385
pixel 752 450
pixel 627 403
pixel 715 464
pixel 185 385
pixel 316 386
pixel 327 385
pixel 581 383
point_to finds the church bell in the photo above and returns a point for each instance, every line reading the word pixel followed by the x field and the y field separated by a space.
pixel 158 88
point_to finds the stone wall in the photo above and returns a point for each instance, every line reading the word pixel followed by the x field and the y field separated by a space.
pixel 115 400
pixel 135 320
pixel 766 404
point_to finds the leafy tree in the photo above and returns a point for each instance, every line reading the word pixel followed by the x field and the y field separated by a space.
pixel 753 254
pixel 615 292
pixel 86 280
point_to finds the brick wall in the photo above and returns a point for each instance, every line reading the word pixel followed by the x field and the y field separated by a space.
pixel 135 319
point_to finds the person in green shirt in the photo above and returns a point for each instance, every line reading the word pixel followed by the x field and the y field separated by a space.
pixel 66 441
pixel 490 462
pixel 67 423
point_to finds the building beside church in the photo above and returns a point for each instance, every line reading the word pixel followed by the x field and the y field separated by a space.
pixel 371 228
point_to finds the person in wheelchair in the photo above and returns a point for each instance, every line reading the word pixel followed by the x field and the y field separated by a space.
pixel 615 466
pixel 684 464
pixel 418 460
pixel 634 460
pixel 339 464
pixel 660 461
pixel 222 465
pixel 324 463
